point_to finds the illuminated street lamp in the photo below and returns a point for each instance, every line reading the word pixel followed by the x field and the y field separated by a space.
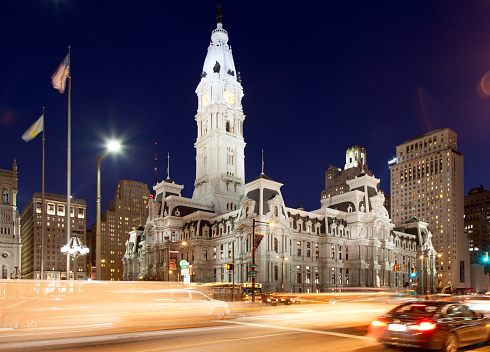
pixel 74 248
pixel 111 147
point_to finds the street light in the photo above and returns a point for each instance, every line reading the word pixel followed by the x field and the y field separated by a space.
pixel 283 259
pixel 111 146
pixel 253 251
pixel 74 248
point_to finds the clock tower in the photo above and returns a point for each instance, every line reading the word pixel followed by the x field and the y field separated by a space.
pixel 220 166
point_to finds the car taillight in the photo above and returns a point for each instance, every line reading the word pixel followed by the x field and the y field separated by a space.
pixel 378 323
pixel 423 326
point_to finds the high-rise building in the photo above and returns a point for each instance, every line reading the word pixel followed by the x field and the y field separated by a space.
pixel 10 239
pixel 477 224
pixel 127 211
pixel 427 182
pixel 33 251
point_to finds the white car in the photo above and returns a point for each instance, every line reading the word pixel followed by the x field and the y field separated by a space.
pixel 171 305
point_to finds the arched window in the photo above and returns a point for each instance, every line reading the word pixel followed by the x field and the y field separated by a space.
pixel 5 269
pixel 276 212
pixel 5 196
pixel 228 129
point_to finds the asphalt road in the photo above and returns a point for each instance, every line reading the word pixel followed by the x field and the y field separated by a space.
pixel 339 327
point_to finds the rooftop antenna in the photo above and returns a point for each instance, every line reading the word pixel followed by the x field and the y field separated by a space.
pixel 156 173
pixel 168 166
pixel 262 161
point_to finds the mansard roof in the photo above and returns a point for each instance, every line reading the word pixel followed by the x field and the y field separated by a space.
pixel 263 176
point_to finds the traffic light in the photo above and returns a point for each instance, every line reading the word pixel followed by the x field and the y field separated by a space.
pixel 229 266
pixel 414 272
pixel 398 267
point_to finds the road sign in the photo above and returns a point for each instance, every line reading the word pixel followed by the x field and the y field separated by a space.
pixel 252 272
pixel 254 265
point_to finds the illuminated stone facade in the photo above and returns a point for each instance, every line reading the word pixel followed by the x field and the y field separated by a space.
pixel 10 239
pixel 348 242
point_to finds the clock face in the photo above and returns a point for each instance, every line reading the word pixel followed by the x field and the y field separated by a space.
pixel 205 99
pixel 229 97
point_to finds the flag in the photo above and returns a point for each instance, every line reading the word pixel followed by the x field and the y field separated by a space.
pixel 58 79
pixel 257 239
pixel 34 130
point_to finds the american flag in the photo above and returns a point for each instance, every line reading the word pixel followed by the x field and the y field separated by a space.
pixel 58 79
pixel 257 239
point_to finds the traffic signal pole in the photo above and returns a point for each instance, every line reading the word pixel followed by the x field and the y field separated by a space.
pixel 233 272
pixel 253 260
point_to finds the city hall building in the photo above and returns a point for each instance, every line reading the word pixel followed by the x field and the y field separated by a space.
pixel 349 242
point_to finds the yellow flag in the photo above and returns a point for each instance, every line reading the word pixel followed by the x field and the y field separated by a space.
pixel 34 130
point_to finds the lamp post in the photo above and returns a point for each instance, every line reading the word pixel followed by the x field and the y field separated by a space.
pixel 283 259
pixel 111 146
pixel 253 252
pixel 74 248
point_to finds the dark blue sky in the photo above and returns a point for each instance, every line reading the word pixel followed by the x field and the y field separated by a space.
pixel 318 78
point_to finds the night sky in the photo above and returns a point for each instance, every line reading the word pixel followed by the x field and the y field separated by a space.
pixel 318 78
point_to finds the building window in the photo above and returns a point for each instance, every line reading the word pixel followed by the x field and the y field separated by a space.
pixel 5 196
pixel 276 245
pixel 276 273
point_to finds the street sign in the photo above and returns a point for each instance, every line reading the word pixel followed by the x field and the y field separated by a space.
pixel 252 272
pixel 254 265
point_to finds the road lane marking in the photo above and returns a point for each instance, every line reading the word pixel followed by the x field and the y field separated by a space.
pixel 338 334
pixel 102 338
pixel 219 341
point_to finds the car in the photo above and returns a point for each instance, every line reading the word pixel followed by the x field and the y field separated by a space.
pixel 439 325
pixel 282 299
pixel 479 304
pixel 268 298
pixel 31 314
pixel 170 305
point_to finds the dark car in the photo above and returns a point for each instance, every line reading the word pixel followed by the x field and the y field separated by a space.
pixel 284 299
pixel 268 298
pixel 437 325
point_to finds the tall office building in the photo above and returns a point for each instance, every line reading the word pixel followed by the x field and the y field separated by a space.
pixel 10 243
pixel 54 262
pixel 477 224
pixel 427 182
pixel 127 211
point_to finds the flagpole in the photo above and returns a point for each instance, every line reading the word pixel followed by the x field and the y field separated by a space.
pixel 43 221
pixel 68 174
